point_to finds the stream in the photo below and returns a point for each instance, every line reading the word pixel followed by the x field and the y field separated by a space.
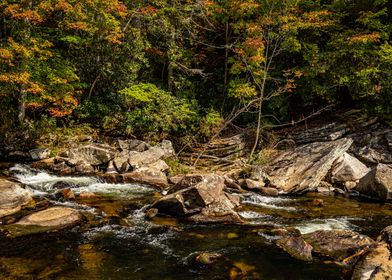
pixel 120 243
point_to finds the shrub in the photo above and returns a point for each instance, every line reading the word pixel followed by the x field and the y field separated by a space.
pixel 153 112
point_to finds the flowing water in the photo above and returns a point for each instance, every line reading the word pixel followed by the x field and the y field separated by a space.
pixel 122 244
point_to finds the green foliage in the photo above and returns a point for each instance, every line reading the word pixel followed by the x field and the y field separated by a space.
pixel 210 124
pixel 156 69
pixel 154 112
pixel 176 167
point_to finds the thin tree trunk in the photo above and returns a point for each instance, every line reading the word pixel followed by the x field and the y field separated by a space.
pixel 23 93
pixel 170 76
pixel 259 115
pixel 226 53
pixel 170 65
pixel 22 106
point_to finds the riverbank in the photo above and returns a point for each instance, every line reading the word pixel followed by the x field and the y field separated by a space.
pixel 116 210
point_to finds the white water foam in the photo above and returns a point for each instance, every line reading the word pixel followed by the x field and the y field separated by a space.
pixel 268 202
pixel 124 190
pixel 139 231
pixel 78 206
pixel 326 224
pixel 43 181
pixel 250 215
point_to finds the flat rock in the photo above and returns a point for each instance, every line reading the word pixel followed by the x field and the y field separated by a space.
pixel 48 220
pixel 303 168
pixel 12 197
pixel 377 183
pixel 337 244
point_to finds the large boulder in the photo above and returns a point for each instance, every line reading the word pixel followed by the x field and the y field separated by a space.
pixel 150 156
pixel 93 154
pixel 12 197
pixel 377 264
pixel 337 244
pixel 121 161
pixel 348 169
pixel 302 169
pixel 377 183
pixel 131 145
pixel 39 154
pixel 148 176
pixel 201 198
pixel 48 220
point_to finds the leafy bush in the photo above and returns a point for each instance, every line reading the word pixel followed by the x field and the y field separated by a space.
pixel 210 124
pixel 153 112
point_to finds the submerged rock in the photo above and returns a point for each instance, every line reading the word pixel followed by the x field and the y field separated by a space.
pixel 303 168
pixel 51 219
pixel 67 194
pixel 377 183
pixel 337 244
pixel 208 257
pixel 12 197
pixel 296 247
pixel 64 185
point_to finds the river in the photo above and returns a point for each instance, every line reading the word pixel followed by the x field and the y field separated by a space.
pixel 118 242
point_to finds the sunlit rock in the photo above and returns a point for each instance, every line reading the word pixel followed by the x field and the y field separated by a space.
pixel 12 197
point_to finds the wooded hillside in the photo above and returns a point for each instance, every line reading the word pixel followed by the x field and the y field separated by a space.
pixel 159 69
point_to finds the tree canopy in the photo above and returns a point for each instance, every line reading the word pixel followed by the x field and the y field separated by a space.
pixel 158 68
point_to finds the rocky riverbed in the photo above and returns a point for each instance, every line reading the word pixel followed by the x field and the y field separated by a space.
pixel 318 210
pixel 107 230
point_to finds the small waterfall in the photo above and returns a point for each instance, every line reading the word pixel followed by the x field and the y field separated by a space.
pixel 42 181
pixel 277 203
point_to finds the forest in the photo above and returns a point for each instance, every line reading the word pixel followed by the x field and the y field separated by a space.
pixel 196 139
pixel 185 70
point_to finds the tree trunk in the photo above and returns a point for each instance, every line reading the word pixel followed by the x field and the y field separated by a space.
pixel 23 93
pixel 226 54
pixel 22 106
pixel 259 115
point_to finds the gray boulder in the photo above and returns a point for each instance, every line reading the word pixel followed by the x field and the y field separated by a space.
pixel 94 154
pixel 150 156
pixel 348 169
pixel 201 198
pixel 39 154
pixel 377 183
pixel 302 169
